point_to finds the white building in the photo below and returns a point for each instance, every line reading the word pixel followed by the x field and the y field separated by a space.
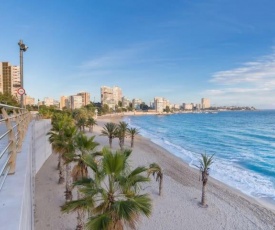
pixel 136 103
pixel 125 102
pixel 187 106
pixel 75 101
pixel 158 104
pixel 48 101
pixel 110 96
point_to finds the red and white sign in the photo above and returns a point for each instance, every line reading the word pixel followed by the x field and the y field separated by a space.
pixel 21 91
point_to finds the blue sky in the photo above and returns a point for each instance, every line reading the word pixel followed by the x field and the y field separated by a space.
pixel 181 50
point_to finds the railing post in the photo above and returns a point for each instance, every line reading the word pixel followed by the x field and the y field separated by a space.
pixel 12 147
pixel 19 139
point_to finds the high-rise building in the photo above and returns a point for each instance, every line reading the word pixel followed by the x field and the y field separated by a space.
pixel 158 104
pixel 64 102
pixel 125 102
pixel 187 106
pixel 9 78
pixel 205 103
pixel 136 103
pixel 85 98
pixel 75 101
pixel 48 101
pixel 110 96
pixel 29 100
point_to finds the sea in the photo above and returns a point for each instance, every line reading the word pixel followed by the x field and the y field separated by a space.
pixel 243 144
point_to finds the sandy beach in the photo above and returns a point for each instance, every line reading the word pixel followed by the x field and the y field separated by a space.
pixel 176 209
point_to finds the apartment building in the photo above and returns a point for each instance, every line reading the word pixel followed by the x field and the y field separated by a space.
pixel 64 102
pixel 75 102
pixel 187 106
pixel 205 103
pixel 9 78
pixel 48 101
pixel 29 100
pixel 136 103
pixel 85 98
pixel 125 102
pixel 158 104
pixel 110 96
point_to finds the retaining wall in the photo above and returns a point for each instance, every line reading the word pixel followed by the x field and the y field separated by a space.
pixel 17 194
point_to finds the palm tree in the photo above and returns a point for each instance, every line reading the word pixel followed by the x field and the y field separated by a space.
pixel 205 163
pixel 84 146
pixel 132 132
pixel 109 130
pixel 56 138
pixel 80 123
pixel 111 197
pixel 68 151
pixel 121 133
pixel 155 169
pixel 90 123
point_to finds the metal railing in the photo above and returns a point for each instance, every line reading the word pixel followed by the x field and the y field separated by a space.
pixel 14 123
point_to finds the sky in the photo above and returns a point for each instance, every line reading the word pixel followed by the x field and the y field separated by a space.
pixel 182 50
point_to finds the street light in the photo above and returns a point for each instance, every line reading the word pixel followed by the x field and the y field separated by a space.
pixel 23 48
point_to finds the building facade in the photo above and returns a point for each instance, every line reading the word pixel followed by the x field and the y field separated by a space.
pixel 110 96
pixel 64 102
pixel 85 98
pixel 48 101
pixel 158 104
pixel 29 100
pixel 205 103
pixel 136 103
pixel 186 106
pixel 9 79
pixel 125 102
pixel 75 102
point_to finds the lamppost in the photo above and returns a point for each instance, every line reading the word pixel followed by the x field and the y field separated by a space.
pixel 23 48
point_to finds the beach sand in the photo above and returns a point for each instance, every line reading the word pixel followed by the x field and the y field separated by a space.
pixel 176 209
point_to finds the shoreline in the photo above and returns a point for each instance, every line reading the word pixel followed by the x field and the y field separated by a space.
pixel 214 185
pixel 265 201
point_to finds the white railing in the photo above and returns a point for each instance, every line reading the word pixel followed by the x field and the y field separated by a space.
pixel 13 126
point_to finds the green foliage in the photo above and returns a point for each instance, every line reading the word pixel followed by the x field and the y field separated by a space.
pixel 105 109
pixel 167 109
pixel 132 132
pixel 120 133
pixel 205 162
pixel 9 99
pixel 111 196
pixel 109 130
pixel 156 171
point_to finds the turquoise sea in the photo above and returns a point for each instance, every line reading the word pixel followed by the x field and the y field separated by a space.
pixel 243 143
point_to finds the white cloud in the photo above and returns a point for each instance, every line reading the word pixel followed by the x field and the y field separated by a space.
pixel 253 83
pixel 256 72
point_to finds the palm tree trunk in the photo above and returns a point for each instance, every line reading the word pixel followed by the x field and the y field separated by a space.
pixel 203 195
pixel 121 143
pixel 59 162
pixel 160 184
pixel 61 172
pixel 90 129
pixel 80 215
pixel 68 192
pixel 132 142
pixel 110 142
